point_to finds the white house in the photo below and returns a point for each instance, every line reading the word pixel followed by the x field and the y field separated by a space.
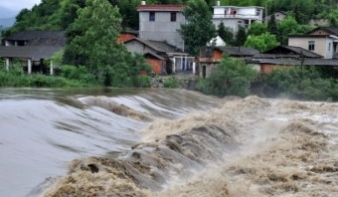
pixel 233 16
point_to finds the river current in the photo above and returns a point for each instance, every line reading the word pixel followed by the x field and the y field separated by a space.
pixel 160 142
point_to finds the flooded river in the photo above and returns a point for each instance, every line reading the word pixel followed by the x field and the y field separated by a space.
pixel 153 142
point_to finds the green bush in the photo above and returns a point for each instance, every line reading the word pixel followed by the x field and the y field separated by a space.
pixel 171 82
pixel 305 83
pixel 143 81
pixel 230 77
pixel 72 77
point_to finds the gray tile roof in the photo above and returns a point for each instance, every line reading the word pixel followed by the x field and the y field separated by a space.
pixel 39 38
pixel 29 52
pixel 163 46
pixel 291 50
pixel 239 51
pixel 159 47
pixel 295 62
pixel 333 30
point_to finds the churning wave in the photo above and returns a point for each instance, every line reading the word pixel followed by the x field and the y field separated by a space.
pixel 246 147
pixel 182 143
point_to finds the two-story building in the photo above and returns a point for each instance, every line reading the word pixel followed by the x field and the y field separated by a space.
pixel 233 16
pixel 322 40
pixel 161 23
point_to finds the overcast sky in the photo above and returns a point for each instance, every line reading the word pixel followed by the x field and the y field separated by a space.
pixel 17 5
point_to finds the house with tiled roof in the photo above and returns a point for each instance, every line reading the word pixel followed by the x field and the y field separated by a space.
pixel 161 56
pixel 32 48
pixel 321 40
pixel 315 48
pixel 210 56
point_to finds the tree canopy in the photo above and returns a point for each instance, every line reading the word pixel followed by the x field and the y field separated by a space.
pixel 226 34
pixel 199 29
pixel 95 46
pixel 262 42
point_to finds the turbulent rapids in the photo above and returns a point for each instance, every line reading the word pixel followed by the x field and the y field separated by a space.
pixel 179 143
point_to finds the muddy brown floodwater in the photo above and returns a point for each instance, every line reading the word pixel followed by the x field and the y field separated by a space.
pixel 243 147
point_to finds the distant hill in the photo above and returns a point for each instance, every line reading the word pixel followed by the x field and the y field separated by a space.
pixel 7 13
pixel 7 22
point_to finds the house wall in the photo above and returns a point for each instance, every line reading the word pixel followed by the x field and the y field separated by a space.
pixel 321 45
pixel 244 11
pixel 320 32
pixel 162 29
pixel 268 68
pixel 217 55
pixel 278 16
pixel 156 65
pixel 243 14
pixel 209 67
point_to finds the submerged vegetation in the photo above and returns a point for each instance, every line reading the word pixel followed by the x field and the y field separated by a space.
pixel 233 77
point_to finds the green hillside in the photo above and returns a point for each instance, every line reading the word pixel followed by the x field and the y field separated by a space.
pixel 59 14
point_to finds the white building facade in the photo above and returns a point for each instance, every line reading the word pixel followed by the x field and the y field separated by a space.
pixel 233 16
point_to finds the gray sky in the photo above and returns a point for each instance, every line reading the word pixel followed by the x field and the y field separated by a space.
pixel 17 5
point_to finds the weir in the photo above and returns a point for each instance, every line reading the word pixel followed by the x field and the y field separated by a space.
pixel 159 143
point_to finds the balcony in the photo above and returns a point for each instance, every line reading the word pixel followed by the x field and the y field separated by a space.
pixel 238 16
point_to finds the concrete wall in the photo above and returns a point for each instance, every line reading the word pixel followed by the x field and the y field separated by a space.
pixel 162 29
pixel 209 67
pixel 321 45
pixel 319 22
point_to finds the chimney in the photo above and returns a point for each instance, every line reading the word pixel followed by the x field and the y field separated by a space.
pixel 218 3
pixel 143 2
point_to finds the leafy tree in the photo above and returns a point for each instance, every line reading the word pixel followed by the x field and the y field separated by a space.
pixel 99 24
pixel 262 42
pixel 226 34
pixel 333 15
pixel 199 29
pixel 272 25
pixel 241 36
pixel 257 29
pixel 231 77
pixel 285 28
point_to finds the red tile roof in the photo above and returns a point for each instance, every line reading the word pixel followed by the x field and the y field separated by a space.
pixel 159 7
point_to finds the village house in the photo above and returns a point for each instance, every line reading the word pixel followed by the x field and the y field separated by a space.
pixel 162 57
pixel 315 48
pixel 322 40
pixel 210 56
pixel 32 49
pixel 161 23
pixel 286 56
pixel 279 15
pixel 233 16
pixel 159 41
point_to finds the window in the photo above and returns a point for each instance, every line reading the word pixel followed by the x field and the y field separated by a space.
pixel 311 45
pixel 173 16
pixel 258 12
pixel 151 16
pixel 329 46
